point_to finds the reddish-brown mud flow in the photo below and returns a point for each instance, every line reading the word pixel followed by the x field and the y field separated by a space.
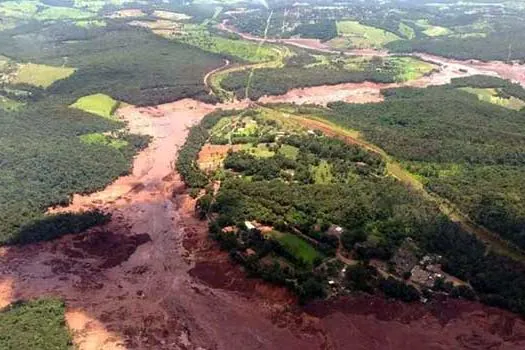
pixel 151 278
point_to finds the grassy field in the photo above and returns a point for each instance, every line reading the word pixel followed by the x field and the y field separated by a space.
pixel 322 173
pixel 246 50
pixel 407 31
pixel 289 151
pixel 402 68
pixel 90 23
pixel 491 96
pixel 101 139
pixel 431 30
pixel 296 246
pixel 38 325
pixel 410 68
pixel 37 10
pixel 97 5
pixel 99 104
pixel 7 104
pixel 40 75
pixel 259 151
pixel 174 16
pixel 355 35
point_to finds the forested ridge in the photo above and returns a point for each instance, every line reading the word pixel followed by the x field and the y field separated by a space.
pixel 49 150
pixel 44 161
pixel 143 69
pixel 377 214
pixel 468 151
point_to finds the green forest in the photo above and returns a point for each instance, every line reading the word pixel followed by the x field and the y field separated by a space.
pixel 306 70
pixel 488 30
pixel 34 325
pixel 465 150
pixel 49 151
pixel 377 213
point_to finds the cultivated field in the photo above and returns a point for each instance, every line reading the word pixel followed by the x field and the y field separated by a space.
pixel 493 96
pixel 39 75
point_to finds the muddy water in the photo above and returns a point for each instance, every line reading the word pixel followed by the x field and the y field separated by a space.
pixel 368 92
pixel 151 279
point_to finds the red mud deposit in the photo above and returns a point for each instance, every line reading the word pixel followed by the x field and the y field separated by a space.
pixel 153 279
pixel 322 95
pixel 364 322
pixel 211 156
pixel 127 284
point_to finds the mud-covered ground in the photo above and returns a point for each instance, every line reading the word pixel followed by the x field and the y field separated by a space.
pixel 152 279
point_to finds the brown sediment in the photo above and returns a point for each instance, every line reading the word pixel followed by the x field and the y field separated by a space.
pixel 128 284
pixel 211 156
pixel 152 279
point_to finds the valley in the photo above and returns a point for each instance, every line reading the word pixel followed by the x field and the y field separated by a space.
pixel 166 187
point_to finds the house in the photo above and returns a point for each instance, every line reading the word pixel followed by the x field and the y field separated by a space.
pixel 249 225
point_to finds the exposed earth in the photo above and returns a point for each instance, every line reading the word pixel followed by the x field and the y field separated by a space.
pixel 152 279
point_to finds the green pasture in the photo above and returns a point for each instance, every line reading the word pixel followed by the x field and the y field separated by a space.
pixel 102 139
pixel 296 246
pixel 407 31
pixel 99 104
pixel 259 151
pixel 288 151
pixel 8 104
pixel 40 75
pixel 322 173
pixel 491 96
pixel 359 36
pixel 432 30
pixel 199 36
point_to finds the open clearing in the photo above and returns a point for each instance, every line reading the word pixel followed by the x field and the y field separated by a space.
pixel 99 104
pixel 174 16
pixel 40 75
pixel 432 30
pixel 358 36
pixel 39 11
pixel 199 36
pixel 101 139
pixel 492 96
pixel 296 246
pixel 8 104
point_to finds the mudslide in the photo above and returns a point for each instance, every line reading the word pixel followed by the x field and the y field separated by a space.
pixel 514 72
pixel 151 278
pixel 128 284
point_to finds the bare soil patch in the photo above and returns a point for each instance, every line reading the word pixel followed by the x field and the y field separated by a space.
pixel 322 95
pixel 212 156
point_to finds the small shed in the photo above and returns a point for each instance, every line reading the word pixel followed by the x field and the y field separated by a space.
pixel 249 225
